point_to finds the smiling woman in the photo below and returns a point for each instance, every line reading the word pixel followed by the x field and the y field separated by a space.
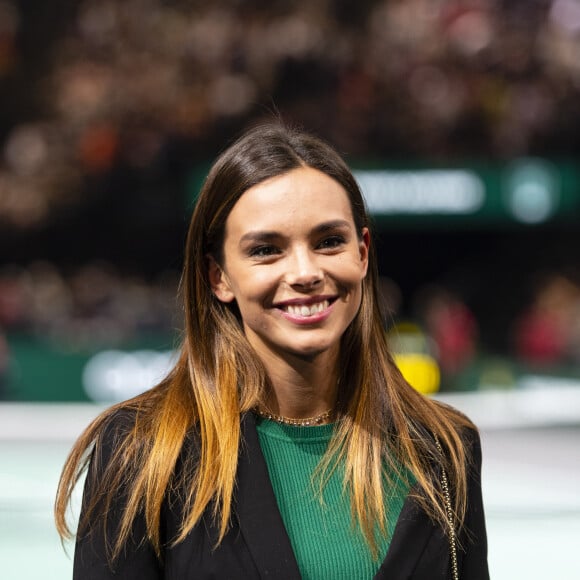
pixel 285 442
pixel 293 263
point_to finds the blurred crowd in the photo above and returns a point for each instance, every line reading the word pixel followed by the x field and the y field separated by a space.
pixel 96 307
pixel 93 307
pixel 125 81
pixel 543 334
pixel 548 331
pixel 156 88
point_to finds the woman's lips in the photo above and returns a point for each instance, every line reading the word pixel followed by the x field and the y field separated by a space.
pixel 307 313
pixel 306 310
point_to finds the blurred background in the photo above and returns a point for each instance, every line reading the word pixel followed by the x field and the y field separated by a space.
pixel 461 120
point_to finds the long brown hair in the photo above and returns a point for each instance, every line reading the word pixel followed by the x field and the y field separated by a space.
pixel 381 419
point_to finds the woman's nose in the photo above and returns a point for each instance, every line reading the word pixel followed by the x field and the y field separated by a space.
pixel 304 271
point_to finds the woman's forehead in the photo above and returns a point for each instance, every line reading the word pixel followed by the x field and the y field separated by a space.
pixel 303 195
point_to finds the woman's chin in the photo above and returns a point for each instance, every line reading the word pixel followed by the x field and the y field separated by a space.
pixel 313 350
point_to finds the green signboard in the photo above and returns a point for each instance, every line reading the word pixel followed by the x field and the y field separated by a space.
pixel 525 192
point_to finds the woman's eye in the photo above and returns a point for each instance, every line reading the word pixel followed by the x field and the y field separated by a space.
pixel 263 251
pixel 332 242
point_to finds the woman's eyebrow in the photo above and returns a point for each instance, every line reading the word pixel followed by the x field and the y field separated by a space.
pixel 332 225
pixel 260 236
pixel 271 235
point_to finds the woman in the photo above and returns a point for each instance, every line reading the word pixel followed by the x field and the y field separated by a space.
pixel 285 443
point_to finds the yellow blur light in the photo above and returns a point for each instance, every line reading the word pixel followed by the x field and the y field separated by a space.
pixel 420 371
pixel 411 352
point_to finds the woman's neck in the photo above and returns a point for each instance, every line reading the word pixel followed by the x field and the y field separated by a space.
pixel 301 388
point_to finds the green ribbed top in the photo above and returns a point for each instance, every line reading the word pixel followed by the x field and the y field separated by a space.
pixel 325 543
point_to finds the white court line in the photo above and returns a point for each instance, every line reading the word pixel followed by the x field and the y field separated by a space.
pixel 542 403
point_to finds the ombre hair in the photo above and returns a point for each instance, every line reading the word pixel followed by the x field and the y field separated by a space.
pixel 381 420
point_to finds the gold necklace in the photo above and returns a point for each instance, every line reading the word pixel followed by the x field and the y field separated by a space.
pixel 306 422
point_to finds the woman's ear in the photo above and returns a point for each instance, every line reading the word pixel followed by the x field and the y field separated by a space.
pixel 364 246
pixel 219 281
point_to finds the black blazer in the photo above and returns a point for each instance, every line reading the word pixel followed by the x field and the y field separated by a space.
pixel 257 546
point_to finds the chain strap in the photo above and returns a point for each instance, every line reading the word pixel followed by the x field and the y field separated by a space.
pixel 449 511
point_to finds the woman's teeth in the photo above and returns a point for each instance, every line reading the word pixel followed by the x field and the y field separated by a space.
pixel 303 310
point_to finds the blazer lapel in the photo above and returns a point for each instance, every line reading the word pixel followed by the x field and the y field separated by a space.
pixel 413 533
pixel 257 510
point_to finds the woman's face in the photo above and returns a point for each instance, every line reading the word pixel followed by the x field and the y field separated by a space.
pixel 293 263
